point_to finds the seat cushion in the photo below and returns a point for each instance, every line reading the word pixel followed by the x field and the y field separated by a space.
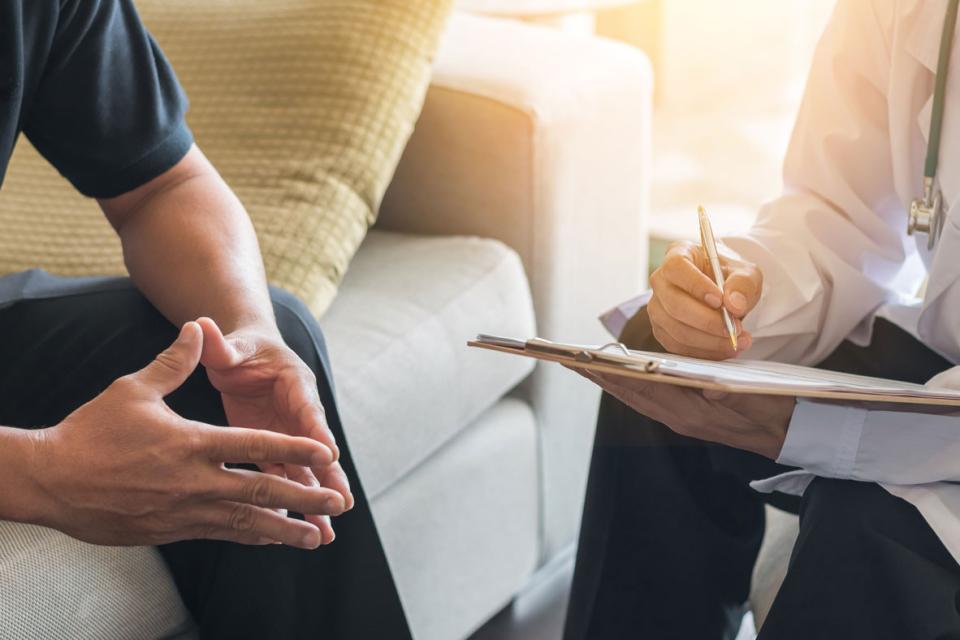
pixel 304 106
pixel 462 533
pixel 406 381
pixel 53 586
pixel 771 566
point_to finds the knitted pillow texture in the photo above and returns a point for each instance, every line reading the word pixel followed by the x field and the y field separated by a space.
pixel 304 106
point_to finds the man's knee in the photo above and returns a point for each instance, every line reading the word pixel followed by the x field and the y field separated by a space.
pixel 300 330
pixel 848 505
pixel 84 338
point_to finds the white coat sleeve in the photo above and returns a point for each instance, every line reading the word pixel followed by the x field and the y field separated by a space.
pixel 856 443
pixel 831 246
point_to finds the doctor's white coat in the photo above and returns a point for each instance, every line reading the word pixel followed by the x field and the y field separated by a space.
pixel 835 253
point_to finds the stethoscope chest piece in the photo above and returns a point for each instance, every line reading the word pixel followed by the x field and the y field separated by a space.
pixel 926 215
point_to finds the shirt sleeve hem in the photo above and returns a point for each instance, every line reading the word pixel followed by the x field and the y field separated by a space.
pixel 824 438
pixel 154 163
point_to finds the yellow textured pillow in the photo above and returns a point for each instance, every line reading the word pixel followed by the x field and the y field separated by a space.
pixel 304 106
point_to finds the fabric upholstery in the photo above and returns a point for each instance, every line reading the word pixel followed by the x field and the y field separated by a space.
pixel 543 142
pixel 406 381
pixel 461 531
pixel 52 586
pixel 303 105
pixel 771 567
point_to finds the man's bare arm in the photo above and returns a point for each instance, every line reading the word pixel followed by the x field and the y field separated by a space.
pixel 191 248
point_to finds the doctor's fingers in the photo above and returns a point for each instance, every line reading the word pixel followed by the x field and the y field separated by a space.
pixel 675 407
pixel 679 326
pixel 742 289
pixel 684 268
pixel 679 305
pixel 683 340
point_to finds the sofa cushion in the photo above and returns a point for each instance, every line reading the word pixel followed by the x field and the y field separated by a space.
pixel 406 381
pixel 304 106
pixel 462 534
pixel 53 586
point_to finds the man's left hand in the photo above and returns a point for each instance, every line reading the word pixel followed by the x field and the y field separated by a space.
pixel 265 385
pixel 756 423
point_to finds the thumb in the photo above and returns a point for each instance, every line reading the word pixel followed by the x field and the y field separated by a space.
pixel 949 379
pixel 218 351
pixel 742 289
pixel 171 368
pixel 715 395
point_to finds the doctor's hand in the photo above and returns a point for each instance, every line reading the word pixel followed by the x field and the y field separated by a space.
pixel 756 423
pixel 685 308
pixel 265 385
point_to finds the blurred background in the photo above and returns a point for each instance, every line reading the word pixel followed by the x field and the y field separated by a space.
pixel 730 76
pixel 729 79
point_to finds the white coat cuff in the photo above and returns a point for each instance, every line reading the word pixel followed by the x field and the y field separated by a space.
pixel 824 438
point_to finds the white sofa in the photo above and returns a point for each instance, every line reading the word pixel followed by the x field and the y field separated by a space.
pixel 518 208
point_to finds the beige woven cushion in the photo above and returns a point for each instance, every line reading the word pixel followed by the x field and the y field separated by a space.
pixel 304 106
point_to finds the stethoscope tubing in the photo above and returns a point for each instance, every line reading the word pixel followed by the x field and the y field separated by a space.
pixel 940 90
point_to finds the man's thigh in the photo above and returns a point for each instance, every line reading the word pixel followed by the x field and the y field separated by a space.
pixel 65 341
pixel 65 344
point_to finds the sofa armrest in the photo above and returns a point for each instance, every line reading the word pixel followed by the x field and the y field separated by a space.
pixel 541 139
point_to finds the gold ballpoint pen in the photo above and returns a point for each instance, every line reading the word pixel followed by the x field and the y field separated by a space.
pixel 709 244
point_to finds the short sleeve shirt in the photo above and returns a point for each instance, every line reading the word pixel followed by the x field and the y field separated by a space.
pixel 87 84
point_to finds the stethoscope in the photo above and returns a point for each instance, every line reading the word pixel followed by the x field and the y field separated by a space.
pixel 926 214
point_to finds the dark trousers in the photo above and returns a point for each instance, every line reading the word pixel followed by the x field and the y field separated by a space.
pixel 62 342
pixel 671 531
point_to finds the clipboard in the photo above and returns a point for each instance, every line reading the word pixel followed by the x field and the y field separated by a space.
pixel 734 376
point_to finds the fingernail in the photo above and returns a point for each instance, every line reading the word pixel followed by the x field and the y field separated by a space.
pixel 738 300
pixel 333 506
pixel 322 457
pixel 311 540
pixel 745 342
pixel 713 300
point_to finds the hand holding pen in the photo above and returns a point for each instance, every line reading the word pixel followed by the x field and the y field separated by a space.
pixel 691 311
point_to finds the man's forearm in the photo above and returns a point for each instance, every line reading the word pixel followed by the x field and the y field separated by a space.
pixel 191 248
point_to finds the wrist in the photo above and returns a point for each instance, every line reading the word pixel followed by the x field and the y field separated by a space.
pixel 23 498
pixel 777 434
pixel 258 326
pixel 774 444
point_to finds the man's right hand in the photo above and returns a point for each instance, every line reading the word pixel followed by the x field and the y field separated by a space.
pixel 124 469
pixel 685 308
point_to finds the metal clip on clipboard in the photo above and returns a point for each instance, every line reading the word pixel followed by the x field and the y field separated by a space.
pixel 598 355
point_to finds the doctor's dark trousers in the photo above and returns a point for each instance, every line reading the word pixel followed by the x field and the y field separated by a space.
pixel 671 531
pixel 64 341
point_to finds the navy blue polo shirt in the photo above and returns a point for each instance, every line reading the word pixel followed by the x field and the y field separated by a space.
pixel 86 83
